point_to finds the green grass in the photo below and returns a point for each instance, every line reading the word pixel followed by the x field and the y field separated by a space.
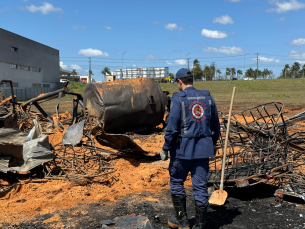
pixel 77 87
pixel 291 92
pixel 248 94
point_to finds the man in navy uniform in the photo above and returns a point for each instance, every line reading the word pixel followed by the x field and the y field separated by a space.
pixel 191 135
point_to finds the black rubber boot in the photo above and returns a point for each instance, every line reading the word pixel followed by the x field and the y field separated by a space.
pixel 201 216
pixel 180 220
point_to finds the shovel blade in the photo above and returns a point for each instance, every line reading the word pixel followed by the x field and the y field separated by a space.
pixel 218 197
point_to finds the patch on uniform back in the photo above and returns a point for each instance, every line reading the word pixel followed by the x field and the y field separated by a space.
pixel 197 109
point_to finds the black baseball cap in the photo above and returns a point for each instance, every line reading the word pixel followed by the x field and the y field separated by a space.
pixel 183 72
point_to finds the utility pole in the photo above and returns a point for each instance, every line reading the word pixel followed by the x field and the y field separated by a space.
pixel 89 70
pixel 122 64
pixel 213 64
pixel 188 60
pixel 257 64
pixel 244 64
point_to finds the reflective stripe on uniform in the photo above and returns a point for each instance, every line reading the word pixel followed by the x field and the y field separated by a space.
pixel 210 103
pixel 202 97
pixel 184 118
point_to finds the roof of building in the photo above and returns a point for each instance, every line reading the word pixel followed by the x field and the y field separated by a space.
pixel 63 71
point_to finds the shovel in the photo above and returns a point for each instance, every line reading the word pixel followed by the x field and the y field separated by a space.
pixel 219 197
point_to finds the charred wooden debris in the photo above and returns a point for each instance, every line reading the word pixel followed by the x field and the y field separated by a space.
pixel 263 146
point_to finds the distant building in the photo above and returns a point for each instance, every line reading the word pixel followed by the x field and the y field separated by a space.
pixel 27 63
pixel 130 73
pixel 66 75
pixel 84 79
pixel 110 78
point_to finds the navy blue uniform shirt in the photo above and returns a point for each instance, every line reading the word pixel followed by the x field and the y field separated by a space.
pixel 193 125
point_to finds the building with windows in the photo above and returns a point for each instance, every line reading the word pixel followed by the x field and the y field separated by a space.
pixel 129 73
pixel 27 63
pixel 66 75
pixel 110 78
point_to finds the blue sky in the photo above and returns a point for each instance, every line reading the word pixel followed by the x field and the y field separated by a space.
pixel 161 33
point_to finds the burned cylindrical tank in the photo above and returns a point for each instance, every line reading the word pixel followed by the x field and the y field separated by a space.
pixel 126 105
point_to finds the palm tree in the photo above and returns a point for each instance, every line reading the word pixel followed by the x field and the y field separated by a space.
pixel 197 70
pixel 295 68
pixel 239 72
pixel 228 72
pixel 213 71
pixel 207 71
pixel 302 71
pixel 270 72
pixel 219 72
pixel 106 71
pixel 250 73
pixel 233 72
pixel 285 72
pixel 265 73
pixel 74 72
pixel 196 62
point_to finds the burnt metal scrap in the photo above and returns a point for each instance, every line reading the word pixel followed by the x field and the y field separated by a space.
pixel 262 148
pixel 21 151
pixel 80 153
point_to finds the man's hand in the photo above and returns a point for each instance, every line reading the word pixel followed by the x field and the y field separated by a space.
pixel 164 155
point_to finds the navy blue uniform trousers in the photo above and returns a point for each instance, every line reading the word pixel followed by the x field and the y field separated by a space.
pixel 199 168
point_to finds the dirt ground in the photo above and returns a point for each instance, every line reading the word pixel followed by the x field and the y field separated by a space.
pixel 141 187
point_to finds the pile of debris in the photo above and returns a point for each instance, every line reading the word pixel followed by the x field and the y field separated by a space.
pixel 86 149
pixel 263 147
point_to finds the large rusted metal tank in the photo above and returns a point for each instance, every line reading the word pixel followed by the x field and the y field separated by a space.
pixel 126 105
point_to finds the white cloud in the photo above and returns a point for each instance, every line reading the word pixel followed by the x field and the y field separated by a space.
pixel 25 0
pixel 44 9
pixel 62 65
pixel 234 0
pixel 172 26
pixel 76 67
pixel 300 41
pixel 151 57
pixel 301 62
pixel 225 19
pixel 78 27
pixel 297 55
pixel 134 66
pixel 169 63
pixel 267 60
pixel 223 49
pixel 213 34
pixel 180 62
pixel 155 22
pixel 283 6
pixel 108 27
pixel 92 52
pixel 282 19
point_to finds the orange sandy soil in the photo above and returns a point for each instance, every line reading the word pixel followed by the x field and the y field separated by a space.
pixel 27 200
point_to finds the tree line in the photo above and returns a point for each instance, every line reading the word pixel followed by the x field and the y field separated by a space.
pixel 209 72
pixel 294 70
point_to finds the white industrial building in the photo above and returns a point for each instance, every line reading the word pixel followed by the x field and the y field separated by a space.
pixel 129 73
pixel 32 66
